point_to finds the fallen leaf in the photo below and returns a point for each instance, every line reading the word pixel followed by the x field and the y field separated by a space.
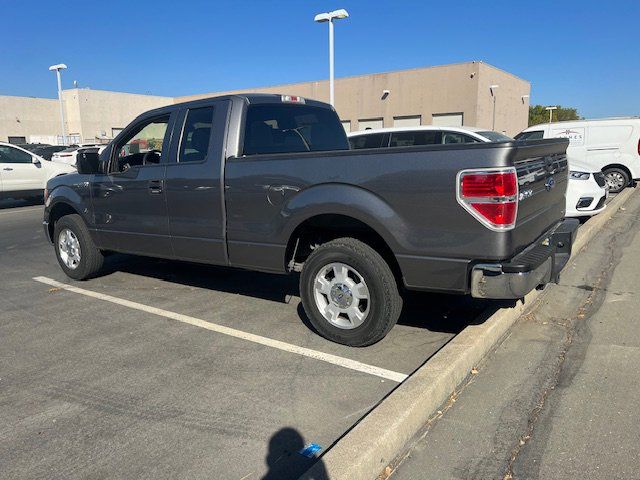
pixel 474 371
pixel 54 289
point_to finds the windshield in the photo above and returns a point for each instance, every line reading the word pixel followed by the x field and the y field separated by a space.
pixel 533 135
pixel 495 136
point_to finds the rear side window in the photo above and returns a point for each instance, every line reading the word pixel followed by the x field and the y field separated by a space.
pixel 424 137
pixel 534 135
pixel 455 137
pixel 196 135
pixel 374 140
pixel 288 128
pixel 13 155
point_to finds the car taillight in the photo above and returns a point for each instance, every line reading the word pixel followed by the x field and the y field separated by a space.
pixel 639 146
pixel 490 195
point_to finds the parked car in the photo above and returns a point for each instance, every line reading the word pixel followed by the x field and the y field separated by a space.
pixel 422 135
pixel 585 195
pixel 70 154
pixel 268 183
pixel 24 174
pixel 47 151
pixel 32 147
pixel 610 145
pixel 587 191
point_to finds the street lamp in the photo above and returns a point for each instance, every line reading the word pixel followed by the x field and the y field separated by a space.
pixel 551 109
pixel 57 68
pixel 330 17
pixel 493 94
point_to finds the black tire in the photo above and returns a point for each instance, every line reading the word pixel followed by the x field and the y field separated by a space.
pixel 91 258
pixel 385 301
pixel 618 173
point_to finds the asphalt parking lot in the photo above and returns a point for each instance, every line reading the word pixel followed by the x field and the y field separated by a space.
pixel 169 369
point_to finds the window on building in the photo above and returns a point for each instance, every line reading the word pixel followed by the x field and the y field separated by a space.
pixel 370 123
pixel 373 140
pixel 14 155
pixel 416 137
pixel 289 128
pixel 196 135
pixel 407 121
pixel 17 140
pixel 447 119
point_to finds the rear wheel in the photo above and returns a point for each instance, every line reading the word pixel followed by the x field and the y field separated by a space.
pixel 76 253
pixel 617 179
pixel 349 293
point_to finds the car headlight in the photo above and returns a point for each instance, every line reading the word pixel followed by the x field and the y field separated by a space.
pixel 579 175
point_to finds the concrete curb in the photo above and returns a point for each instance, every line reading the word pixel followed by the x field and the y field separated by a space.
pixel 374 442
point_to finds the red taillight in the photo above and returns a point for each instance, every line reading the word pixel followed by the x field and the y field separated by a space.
pixel 501 184
pixel 639 146
pixel 490 195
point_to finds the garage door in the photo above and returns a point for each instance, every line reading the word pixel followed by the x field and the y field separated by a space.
pixel 407 121
pixel 369 124
pixel 447 119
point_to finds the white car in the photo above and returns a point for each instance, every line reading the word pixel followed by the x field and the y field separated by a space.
pixel 422 135
pixel 586 192
pixel 610 145
pixel 24 174
pixel 69 156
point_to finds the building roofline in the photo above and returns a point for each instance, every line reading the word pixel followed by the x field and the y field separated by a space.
pixel 284 85
pixel 116 91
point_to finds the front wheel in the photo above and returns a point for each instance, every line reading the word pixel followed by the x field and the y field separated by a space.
pixel 617 179
pixel 75 250
pixel 349 293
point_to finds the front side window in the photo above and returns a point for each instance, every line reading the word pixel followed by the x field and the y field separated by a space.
pixel 288 128
pixel 455 137
pixel 13 155
pixel 418 137
pixel 373 140
pixel 196 135
pixel 143 146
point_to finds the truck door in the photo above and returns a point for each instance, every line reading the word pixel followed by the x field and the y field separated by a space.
pixel 193 183
pixel 129 201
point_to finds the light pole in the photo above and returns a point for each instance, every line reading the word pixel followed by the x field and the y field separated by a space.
pixel 493 94
pixel 57 68
pixel 330 17
pixel 551 109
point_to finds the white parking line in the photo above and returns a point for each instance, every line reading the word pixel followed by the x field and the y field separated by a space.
pixel 287 347
pixel 21 210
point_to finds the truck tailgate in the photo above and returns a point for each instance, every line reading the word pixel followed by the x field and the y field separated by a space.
pixel 542 182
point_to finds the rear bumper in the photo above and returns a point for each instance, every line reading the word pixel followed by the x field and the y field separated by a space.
pixel 536 266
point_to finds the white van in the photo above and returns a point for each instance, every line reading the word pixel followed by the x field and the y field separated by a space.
pixel 609 144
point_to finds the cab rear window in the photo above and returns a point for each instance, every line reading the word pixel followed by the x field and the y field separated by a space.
pixel 286 128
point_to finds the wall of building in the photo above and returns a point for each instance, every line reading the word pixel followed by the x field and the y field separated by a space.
pixel 446 89
pixel 94 114
pixel 25 116
pixel 512 110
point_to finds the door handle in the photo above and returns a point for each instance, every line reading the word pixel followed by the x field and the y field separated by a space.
pixel 155 187
pixel 8 169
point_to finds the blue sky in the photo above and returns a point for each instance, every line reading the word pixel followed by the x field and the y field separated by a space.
pixel 575 53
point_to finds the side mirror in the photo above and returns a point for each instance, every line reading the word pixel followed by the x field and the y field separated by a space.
pixel 35 160
pixel 88 163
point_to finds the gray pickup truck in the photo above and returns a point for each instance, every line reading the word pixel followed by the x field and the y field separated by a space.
pixel 267 182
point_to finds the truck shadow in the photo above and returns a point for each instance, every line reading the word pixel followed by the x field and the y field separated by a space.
pixel 431 311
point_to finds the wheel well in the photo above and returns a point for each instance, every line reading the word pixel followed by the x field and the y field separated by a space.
pixel 57 212
pixel 621 167
pixel 323 228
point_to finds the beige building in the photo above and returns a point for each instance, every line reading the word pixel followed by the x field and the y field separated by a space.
pixel 452 95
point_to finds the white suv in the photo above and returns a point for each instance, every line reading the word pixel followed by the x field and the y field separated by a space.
pixel 24 174
pixel 69 156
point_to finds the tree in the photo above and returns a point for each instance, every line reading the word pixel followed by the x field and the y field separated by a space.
pixel 538 114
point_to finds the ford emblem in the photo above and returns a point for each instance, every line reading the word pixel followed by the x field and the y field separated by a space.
pixel 550 183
